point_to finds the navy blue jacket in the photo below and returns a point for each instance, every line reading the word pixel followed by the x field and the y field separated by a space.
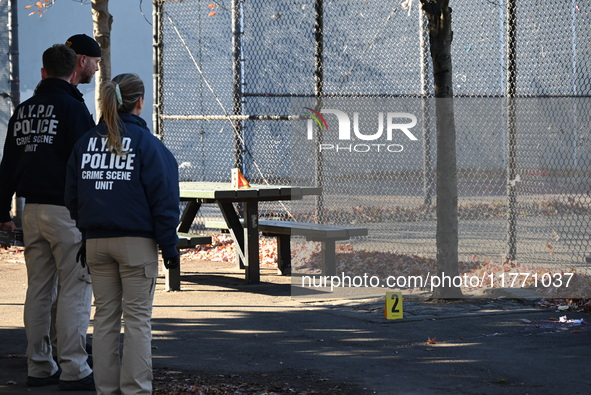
pixel 131 195
pixel 40 137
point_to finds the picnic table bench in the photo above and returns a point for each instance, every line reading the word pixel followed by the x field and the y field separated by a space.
pixel 190 240
pixel 246 235
pixel 327 235
pixel 186 240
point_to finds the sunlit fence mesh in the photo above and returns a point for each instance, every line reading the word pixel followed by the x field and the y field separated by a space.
pixel 234 79
pixel 5 103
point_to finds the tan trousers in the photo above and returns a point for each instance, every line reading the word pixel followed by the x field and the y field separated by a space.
pixel 51 243
pixel 124 272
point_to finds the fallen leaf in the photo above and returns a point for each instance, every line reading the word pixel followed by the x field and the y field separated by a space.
pixel 550 248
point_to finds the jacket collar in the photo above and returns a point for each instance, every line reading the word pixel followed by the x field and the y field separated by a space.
pixel 133 119
pixel 130 119
pixel 56 85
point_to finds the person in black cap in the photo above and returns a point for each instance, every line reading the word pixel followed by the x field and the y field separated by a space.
pixel 89 56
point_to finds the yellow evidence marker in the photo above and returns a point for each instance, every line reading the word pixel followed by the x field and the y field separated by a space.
pixel 393 306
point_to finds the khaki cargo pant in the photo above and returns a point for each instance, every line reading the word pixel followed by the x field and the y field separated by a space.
pixel 124 272
pixel 51 243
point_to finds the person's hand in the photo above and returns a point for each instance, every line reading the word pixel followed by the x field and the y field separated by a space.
pixel 172 262
pixel 7 226
pixel 81 255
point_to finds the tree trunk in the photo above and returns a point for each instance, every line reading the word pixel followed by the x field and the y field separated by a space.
pixel 438 14
pixel 102 22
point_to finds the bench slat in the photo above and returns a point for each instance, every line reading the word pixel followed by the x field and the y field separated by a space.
pixel 299 229
pixel 189 240
pixel 310 230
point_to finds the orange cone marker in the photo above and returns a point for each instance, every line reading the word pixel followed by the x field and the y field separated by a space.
pixel 242 183
pixel 238 180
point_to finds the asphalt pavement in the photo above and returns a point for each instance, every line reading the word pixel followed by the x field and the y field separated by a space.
pixel 218 325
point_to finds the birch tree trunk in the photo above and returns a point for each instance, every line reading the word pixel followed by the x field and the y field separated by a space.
pixel 438 15
pixel 102 21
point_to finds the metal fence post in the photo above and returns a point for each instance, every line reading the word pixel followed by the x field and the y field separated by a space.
pixel 157 67
pixel 428 176
pixel 318 93
pixel 15 96
pixel 237 84
pixel 511 131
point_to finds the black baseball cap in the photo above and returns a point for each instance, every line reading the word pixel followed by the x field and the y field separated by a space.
pixel 84 45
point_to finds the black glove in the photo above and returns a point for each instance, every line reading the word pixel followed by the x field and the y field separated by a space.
pixel 81 255
pixel 172 262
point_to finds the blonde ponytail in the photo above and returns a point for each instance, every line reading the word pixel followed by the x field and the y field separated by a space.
pixel 119 96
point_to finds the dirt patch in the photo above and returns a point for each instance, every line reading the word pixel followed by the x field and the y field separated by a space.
pixel 178 382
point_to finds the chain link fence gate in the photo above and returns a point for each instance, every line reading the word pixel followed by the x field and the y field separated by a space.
pixel 233 78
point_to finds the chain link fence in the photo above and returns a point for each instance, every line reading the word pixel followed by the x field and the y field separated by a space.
pixel 5 102
pixel 234 79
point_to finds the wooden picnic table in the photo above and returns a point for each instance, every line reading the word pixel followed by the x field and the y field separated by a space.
pixel 246 234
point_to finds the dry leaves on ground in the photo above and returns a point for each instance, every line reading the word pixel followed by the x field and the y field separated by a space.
pixel 277 383
pixel 500 273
